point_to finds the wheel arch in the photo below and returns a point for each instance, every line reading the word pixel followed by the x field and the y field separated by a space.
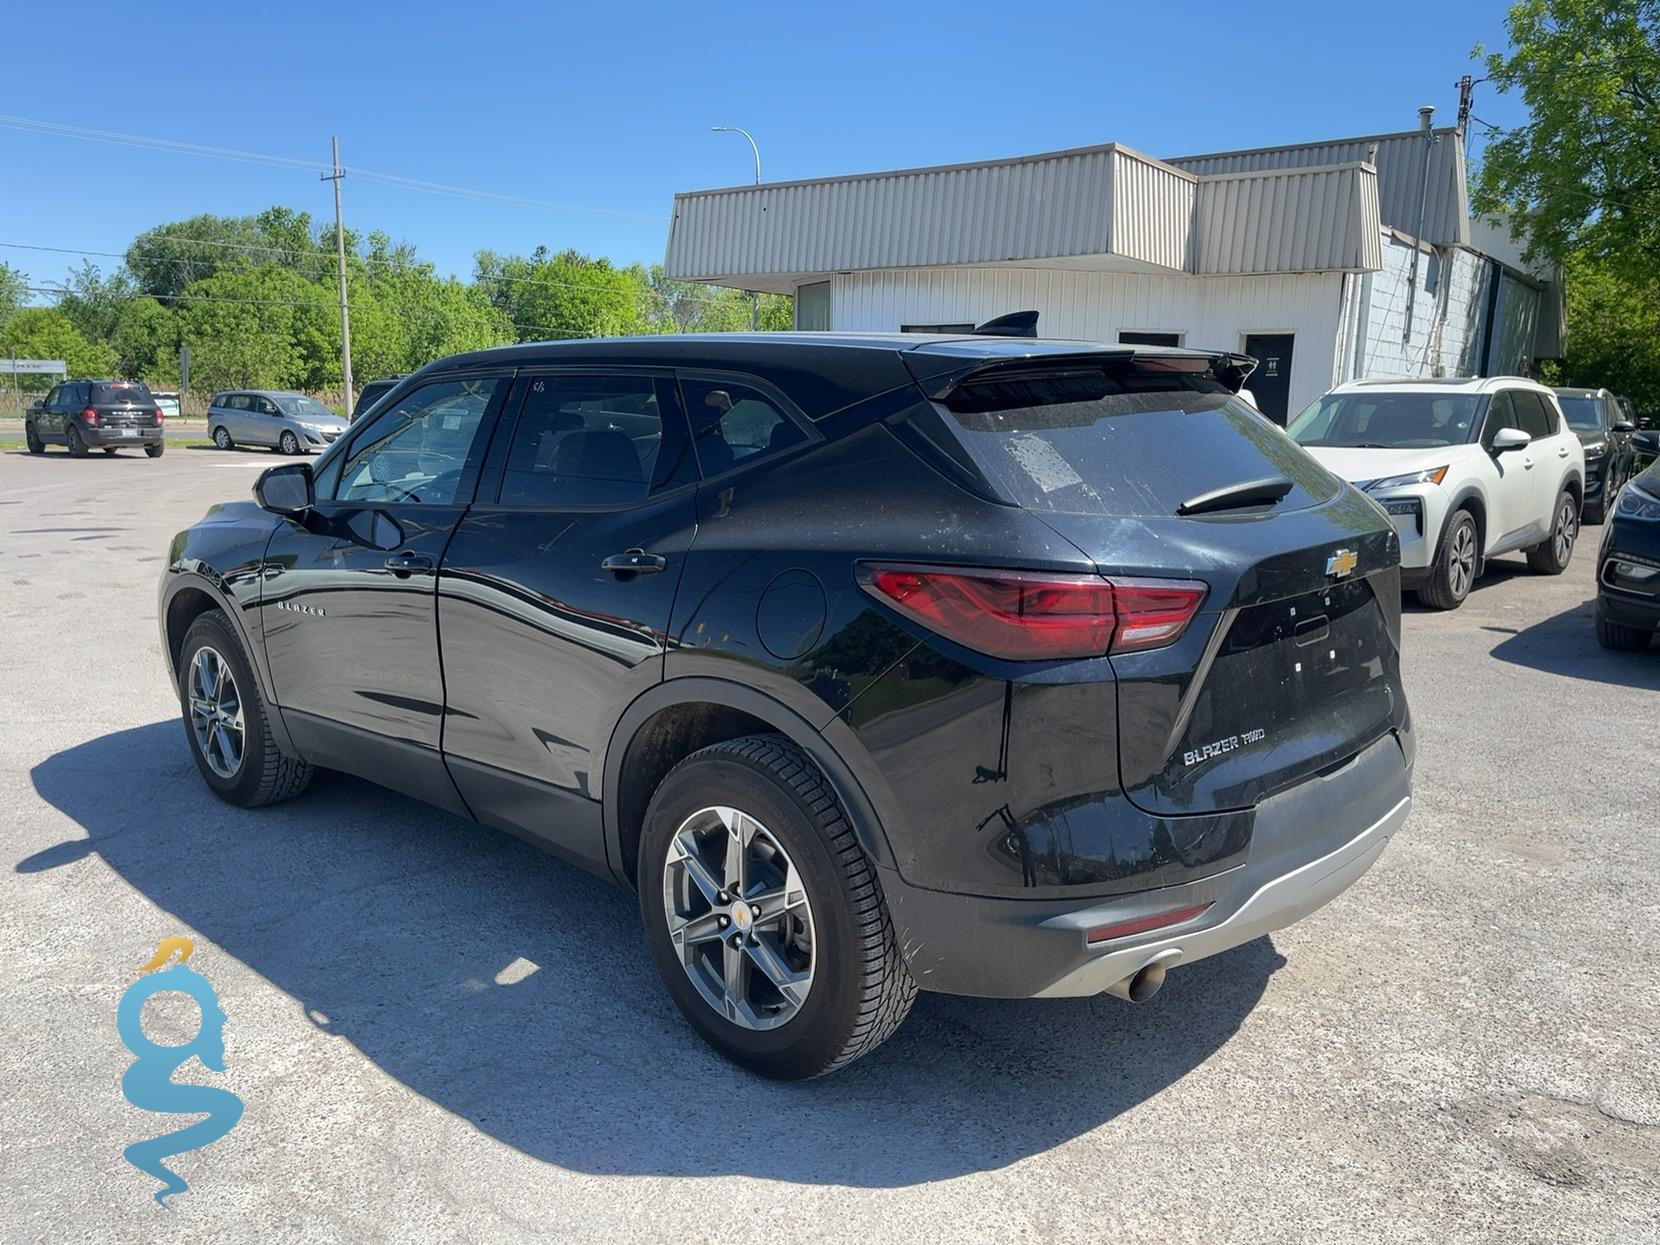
pixel 675 718
pixel 1472 499
pixel 189 595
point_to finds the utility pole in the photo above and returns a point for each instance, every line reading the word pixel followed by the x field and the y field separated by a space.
pixel 340 252
pixel 1466 89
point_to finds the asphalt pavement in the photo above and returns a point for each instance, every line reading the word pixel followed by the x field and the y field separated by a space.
pixel 440 1033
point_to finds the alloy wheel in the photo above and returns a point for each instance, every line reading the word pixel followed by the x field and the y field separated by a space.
pixel 739 917
pixel 1461 564
pixel 221 438
pixel 1567 528
pixel 216 712
pixel 290 443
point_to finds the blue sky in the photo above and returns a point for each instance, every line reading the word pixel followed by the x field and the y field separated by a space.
pixel 608 106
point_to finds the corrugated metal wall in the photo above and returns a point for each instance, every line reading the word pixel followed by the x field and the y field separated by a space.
pixel 1153 211
pixel 1287 221
pixel 1096 306
pixel 1026 209
pixel 1400 159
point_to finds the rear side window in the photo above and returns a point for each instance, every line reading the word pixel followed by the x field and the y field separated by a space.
pixel 732 422
pixel 590 440
pixel 135 391
pixel 1135 437
pixel 1535 415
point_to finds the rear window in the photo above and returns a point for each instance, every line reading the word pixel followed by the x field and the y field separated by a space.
pixel 1135 438
pixel 1379 420
pixel 133 391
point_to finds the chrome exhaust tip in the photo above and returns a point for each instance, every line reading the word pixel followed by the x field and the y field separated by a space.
pixel 1146 981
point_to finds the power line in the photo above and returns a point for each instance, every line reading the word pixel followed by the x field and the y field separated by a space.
pixel 58 129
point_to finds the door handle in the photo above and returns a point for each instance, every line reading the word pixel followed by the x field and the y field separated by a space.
pixel 635 562
pixel 409 563
pixel 1562 452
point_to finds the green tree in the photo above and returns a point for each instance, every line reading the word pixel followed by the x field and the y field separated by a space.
pixel 46 333
pixel 240 327
pixel 1582 177
pixel 1614 321
pixel 563 295
pixel 93 302
pixel 146 340
pixel 14 292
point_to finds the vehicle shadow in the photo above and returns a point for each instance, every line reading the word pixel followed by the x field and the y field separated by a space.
pixel 513 991
pixel 1566 644
pixel 1498 571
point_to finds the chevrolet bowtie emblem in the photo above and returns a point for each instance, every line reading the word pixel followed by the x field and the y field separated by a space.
pixel 1341 563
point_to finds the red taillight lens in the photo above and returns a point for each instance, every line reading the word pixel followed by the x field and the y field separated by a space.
pixel 1159 920
pixel 91 416
pixel 161 417
pixel 1153 612
pixel 1030 616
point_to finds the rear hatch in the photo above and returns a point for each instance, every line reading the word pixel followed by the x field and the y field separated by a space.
pixel 125 404
pixel 1153 468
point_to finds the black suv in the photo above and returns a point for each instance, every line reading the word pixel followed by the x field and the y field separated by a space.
pixel 1604 428
pixel 1628 564
pixel 372 393
pixel 103 415
pixel 998 667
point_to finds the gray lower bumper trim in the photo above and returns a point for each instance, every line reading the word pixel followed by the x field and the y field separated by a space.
pixel 1274 905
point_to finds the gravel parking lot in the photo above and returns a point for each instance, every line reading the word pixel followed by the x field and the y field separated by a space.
pixel 441 1033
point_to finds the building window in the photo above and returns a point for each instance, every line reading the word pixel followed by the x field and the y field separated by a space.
pixel 936 328
pixel 1137 337
pixel 812 307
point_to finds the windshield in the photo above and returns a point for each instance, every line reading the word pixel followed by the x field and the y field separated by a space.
pixel 1376 420
pixel 134 391
pixel 1584 414
pixel 306 408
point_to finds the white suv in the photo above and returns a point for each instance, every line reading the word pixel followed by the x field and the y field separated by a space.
pixel 1466 469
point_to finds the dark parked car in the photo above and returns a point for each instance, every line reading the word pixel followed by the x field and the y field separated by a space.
pixel 1628 562
pixel 997 667
pixel 106 415
pixel 1604 428
pixel 373 392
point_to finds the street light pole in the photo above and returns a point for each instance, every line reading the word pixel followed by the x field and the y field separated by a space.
pixel 754 297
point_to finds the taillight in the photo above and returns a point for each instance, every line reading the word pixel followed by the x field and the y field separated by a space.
pixel 1140 925
pixel 90 416
pixel 161 417
pixel 1029 615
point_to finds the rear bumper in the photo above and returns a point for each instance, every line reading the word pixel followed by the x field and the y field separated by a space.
pixel 1309 844
pixel 116 436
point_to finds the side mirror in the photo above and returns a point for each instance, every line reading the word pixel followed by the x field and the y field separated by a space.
pixel 1648 442
pixel 39 404
pixel 1624 425
pixel 287 490
pixel 1507 439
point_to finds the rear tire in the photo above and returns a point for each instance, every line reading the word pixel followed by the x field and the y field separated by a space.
pixel 1620 638
pixel 76 443
pixel 230 724
pixel 1551 556
pixel 109 451
pixel 222 439
pixel 32 438
pixel 1454 573
pixel 850 986
pixel 156 450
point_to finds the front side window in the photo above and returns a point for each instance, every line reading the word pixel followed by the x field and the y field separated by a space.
pixel 52 398
pixel 1501 414
pixel 732 422
pixel 419 451
pixel 265 406
pixel 302 407
pixel 1373 419
pixel 591 440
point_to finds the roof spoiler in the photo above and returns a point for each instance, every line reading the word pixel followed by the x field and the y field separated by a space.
pixel 1015 324
pixel 1233 370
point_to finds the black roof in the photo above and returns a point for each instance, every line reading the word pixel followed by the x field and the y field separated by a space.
pixel 822 372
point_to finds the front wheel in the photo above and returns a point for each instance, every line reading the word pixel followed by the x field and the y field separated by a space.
pixel 1621 639
pixel 226 721
pixel 1599 510
pixel 763 915
pixel 1454 571
pixel 1551 557
pixel 290 444
pixel 32 438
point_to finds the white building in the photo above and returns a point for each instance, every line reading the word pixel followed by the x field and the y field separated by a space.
pixel 1301 255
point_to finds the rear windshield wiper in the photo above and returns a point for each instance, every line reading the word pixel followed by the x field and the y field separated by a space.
pixel 1265 492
